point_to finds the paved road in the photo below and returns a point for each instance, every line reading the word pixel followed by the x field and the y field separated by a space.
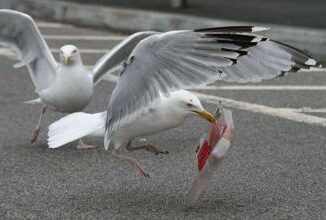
pixel 306 13
pixel 276 168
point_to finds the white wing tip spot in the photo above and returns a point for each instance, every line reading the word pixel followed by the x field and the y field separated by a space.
pixel 311 62
pixel 258 29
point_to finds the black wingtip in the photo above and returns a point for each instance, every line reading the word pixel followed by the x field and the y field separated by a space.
pixel 233 29
pixel 241 44
pixel 240 52
pixel 303 53
pixel 234 37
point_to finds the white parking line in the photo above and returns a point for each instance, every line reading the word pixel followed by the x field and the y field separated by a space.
pixel 314 69
pixel 11 54
pixel 85 37
pixel 84 51
pixel 266 110
pixel 42 24
pixel 305 110
pixel 264 87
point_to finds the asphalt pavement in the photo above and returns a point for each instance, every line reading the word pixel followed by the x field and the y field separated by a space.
pixel 275 169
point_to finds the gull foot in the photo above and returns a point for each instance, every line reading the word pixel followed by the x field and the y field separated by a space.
pixel 34 135
pixel 148 147
pixel 140 168
pixel 155 150
pixel 82 146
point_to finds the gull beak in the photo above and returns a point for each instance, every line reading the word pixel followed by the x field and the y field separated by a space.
pixel 66 59
pixel 206 115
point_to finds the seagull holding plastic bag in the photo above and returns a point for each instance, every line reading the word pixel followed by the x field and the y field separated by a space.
pixel 171 112
pixel 166 62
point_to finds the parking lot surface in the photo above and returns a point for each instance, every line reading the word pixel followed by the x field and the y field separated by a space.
pixel 275 169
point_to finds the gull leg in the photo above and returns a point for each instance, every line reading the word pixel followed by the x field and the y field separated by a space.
pixel 36 130
pixel 140 168
pixel 81 145
pixel 149 147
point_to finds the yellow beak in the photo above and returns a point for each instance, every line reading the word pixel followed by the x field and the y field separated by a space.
pixel 206 115
pixel 66 59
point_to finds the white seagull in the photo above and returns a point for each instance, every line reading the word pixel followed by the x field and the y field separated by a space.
pixel 166 62
pixel 66 86
pixel 169 113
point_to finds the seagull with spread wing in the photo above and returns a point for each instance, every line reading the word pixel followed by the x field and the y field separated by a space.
pixel 66 86
pixel 165 62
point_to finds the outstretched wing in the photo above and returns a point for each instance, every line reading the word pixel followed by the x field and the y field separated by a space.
pixel 19 31
pixel 184 59
pixel 118 54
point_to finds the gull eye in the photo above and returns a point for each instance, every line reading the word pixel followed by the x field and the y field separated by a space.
pixel 190 105
pixel 74 51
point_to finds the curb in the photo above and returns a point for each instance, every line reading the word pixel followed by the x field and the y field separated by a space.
pixel 131 20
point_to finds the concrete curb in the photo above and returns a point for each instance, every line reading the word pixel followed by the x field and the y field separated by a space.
pixel 312 40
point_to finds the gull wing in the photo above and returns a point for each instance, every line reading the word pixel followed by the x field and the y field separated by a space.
pixel 118 54
pixel 183 59
pixel 19 31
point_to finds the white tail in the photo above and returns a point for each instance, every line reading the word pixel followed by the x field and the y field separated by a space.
pixel 75 126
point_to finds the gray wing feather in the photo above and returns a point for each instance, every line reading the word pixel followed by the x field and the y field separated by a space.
pixel 183 59
pixel 18 31
pixel 118 54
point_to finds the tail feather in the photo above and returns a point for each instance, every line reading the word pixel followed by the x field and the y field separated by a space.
pixel 75 126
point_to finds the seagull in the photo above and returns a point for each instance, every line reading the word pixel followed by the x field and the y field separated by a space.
pixel 171 112
pixel 165 62
pixel 66 86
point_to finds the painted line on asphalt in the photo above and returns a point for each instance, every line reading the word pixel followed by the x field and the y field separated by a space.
pixel 266 110
pixel 11 54
pixel 85 37
pixel 305 110
pixel 85 51
pixel 264 87
pixel 111 78
pixel 314 69
pixel 42 24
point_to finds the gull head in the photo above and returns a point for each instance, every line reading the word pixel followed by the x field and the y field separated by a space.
pixel 189 104
pixel 69 54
